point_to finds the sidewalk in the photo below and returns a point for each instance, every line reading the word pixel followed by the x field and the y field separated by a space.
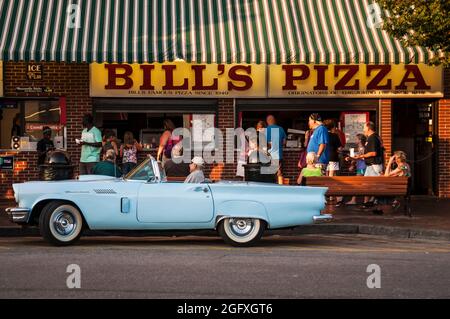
pixel 431 219
pixel 427 213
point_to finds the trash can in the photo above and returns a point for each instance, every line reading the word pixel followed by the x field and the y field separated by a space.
pixel 253 173
pixel 57 167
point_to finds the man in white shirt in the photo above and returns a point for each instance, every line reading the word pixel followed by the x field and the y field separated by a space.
pixel 91 145
pixel 196 168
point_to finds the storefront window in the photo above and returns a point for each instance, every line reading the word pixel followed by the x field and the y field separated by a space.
pixel 11 122
pixel 296 121
pixel 148 127
pixel 25 120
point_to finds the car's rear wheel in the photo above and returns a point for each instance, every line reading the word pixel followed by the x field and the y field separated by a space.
pixel 241 232
pixel 60 223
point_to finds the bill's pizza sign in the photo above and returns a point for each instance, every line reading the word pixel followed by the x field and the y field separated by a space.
pixel 181 79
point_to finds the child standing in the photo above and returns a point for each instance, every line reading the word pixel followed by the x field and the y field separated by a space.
pixel 310 169
pixel 360 163
pixel 129 151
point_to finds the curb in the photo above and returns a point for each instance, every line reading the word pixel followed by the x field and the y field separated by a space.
pixel 364 229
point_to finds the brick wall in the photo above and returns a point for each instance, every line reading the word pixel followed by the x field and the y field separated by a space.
pixel 66 80
pixel 25 169
pixel 385 126
pixel 72 81
pixel 444 139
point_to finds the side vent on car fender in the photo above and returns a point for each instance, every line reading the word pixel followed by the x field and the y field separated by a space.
pixel 105 191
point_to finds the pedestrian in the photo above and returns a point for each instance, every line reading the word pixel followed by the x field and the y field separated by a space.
pixel 255 153
pixel 167 141
pixel 260 126
pixel 91 145
pixel 311 168
pixel 44 145
pixel 276 139
pixel 318 140
pixel 128 152
pixel 302 157
pixel 196 169
pixel 176 167
pixel 16 129
pixel 334 146
pixel 373 156
pixel 110 142
pixel 358 164
pixel 108 166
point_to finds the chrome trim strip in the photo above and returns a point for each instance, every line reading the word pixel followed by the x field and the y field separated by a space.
pixel 322 218
pixel 18 214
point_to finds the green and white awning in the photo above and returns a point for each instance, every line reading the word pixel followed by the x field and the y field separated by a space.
pixel 203 31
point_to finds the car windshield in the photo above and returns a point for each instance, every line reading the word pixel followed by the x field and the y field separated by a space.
pixel 143 172
pixel 162 172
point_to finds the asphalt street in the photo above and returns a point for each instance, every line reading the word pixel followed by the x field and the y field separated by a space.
pixel 309 266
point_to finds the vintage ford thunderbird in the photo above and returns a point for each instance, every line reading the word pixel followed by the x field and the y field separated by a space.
pixel 144 200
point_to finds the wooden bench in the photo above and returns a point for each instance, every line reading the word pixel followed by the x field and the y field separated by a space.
pixel 378 186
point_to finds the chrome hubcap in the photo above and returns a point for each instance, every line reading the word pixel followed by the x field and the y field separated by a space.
pixel 64 223
pixel 241 227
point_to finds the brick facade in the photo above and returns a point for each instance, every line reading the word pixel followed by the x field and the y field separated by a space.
pixel 385 126
pixel 72 82
pixel 443 133
pixel 68 80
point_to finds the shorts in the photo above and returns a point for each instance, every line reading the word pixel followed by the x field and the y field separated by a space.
pixel 333 166
pixel 374 170
pixel 360 172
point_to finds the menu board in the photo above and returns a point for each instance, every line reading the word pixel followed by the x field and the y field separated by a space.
pixel 354 124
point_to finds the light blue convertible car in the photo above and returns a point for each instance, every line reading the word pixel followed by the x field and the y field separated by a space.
pixel 144 200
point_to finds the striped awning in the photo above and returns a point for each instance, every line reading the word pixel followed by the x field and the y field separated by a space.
pixel 202 31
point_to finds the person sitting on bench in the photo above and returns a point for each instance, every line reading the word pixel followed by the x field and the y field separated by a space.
pixel 402 168
pixel 311 169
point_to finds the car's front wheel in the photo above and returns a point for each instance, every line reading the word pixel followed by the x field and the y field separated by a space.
pixel 60 223
pixel 238 231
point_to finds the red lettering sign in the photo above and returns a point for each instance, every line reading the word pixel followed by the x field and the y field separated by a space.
pixel 113 76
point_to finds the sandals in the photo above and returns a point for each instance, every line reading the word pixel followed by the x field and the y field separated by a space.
pixel 367 205
pixel 339 203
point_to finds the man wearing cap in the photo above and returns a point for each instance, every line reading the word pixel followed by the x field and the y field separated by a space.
pixel 196 168
pixel 318 140
pixel 44 145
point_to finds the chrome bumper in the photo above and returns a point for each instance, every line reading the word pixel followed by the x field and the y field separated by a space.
pixel 18 215
pixel 322 218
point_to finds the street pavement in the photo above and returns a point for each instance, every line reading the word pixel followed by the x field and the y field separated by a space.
pixel 308 266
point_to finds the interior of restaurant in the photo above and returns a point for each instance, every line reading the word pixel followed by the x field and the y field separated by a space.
pixel 25 119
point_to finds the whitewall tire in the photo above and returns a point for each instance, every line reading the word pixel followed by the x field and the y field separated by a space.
pixel 239 231
pixel 60 223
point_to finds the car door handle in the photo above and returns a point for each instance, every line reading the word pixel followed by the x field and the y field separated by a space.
pixel 201 189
